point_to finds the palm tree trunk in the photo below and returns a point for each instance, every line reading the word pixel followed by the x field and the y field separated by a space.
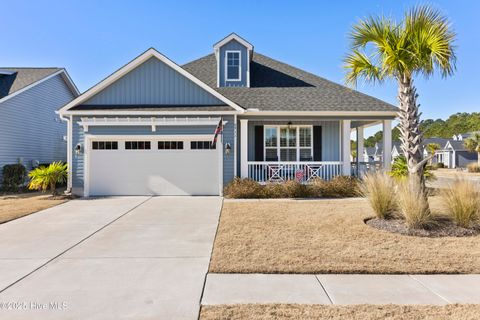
pixel 52 187
pixel 410 133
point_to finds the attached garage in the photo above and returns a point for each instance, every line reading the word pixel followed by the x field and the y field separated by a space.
pixel 153 165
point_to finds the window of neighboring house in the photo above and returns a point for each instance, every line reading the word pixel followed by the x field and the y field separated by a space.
pixel 104 145
pixel 137 145
pixel 288 143
pixel 201 145
pixel 170 145
pixel 232 61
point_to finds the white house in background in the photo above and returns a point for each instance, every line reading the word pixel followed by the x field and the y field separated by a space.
pixel 452 152
pixel 374 154
pixel 30 131
pixel 455 155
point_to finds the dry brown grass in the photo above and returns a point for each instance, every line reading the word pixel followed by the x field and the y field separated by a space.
pixel 16 206
pixel 363 312
pixel 329 236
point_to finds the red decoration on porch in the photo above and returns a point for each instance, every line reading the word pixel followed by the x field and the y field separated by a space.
pixel 299 175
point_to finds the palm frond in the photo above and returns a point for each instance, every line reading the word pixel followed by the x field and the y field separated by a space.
pixel 431 40
pixel 359 66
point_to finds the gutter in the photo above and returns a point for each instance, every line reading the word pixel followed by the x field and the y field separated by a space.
pixel 69 150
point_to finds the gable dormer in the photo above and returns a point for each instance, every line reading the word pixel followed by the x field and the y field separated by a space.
pixel 234 55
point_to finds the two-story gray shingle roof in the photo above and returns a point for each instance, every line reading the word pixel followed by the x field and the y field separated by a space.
pixel 277 86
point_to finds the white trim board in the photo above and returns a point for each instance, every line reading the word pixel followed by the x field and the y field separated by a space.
pixel 61 72
pixel 153 122
pixel 236 37
pixel 134 64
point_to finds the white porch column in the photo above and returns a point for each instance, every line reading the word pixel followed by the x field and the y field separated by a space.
pixel 360 138
pixel 243 148
pixel 387 144
pixel 346 131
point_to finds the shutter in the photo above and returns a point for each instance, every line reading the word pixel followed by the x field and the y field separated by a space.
pixel 317 143
pixel 258 143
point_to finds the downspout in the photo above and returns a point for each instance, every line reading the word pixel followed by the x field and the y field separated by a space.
pixel 69 151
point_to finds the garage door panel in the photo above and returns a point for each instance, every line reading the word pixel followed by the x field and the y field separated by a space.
pixel 154 172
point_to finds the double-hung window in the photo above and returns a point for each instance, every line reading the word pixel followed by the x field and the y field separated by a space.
pixel 232 63
pixel 288 143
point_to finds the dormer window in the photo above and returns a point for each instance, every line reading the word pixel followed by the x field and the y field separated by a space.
pixel 232 65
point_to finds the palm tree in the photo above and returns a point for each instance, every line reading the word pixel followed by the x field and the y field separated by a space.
pixel 382 49
pixel 473 144
pixel 43 178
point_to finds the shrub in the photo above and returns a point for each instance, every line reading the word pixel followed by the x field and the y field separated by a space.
pixel 338 187
pixel 400 169
pixel 413 206
pixel 294 189
pixel 461 201
pixel 43 178
pixel 13 176
pixel 439 165
pixel 274 190
pixel 379 188
pixel 473 167
pixel 243 188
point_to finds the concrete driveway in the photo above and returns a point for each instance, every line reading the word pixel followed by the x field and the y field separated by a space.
pixel 108 258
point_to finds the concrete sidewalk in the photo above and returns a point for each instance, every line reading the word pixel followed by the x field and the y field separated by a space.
pixel 341 289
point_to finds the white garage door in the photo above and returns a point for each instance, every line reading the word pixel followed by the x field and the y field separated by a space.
pixel 153 167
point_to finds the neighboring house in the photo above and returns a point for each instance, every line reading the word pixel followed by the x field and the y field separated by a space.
pixel 375 153
pixel 369 154
pixel 452 152
pixel 396 149
pixel 148 127
pixel 455 155
pixel 30 131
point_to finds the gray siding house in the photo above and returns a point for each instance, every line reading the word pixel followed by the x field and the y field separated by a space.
pixel 30 130
pixel 149 127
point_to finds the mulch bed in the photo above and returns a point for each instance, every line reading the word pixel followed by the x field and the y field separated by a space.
pixel 445 228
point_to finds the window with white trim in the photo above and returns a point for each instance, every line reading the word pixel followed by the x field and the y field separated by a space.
pixel 288 143
pixel 232 65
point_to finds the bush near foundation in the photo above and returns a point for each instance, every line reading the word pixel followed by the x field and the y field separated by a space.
pixel 338 187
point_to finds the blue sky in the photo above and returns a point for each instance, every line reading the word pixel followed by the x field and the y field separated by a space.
pixel 94 38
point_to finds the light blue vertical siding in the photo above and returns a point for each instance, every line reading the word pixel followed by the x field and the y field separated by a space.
pixel 233 45
pixel 154 83
pixel 78 138
pixel 29 127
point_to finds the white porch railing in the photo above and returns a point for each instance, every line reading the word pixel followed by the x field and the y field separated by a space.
pixel 301 171
pixel 361 168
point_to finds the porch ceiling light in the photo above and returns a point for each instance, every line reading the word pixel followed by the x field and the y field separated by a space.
pixel 289 124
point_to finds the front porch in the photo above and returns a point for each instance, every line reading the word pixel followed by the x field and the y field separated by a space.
pixel 276 150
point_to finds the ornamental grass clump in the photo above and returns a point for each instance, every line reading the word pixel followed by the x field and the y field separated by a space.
pixel 413 206
pixel 379 189
pixel 461 201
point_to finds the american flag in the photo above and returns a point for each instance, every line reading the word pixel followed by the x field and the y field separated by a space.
pixel 218 130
